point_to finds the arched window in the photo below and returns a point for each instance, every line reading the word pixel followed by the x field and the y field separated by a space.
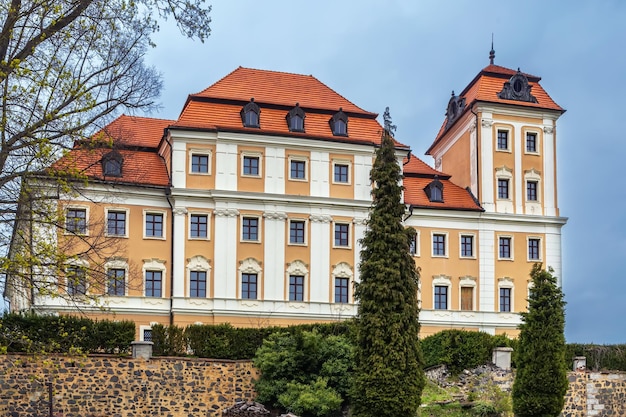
pixel 112 164
pixel 339 123
pixel 295 119
pixel 250 114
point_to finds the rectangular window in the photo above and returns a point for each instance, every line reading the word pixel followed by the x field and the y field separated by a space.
pixel 154 283
pixel 76 220
pixel 534 247
pixel 296 288
pixel 250 229
pixel 505 300
pixel 249 286
pixel 116 284
pixel 467 298
pixel 531 190
pixel 116 223
pixel 251 165
pixel 341 290
pixel 296 231
pixel 154 225
pixel 441 297
pixel 341 174
pixel 342 235
pixel 503 189
pixel 439 245
pixel 413 245
pixel 76 280
pixel 198 226
pixel 197 284
pixel 467 246
pixel 503 140
pixel 531 142
pixel 200 164
pixel 147 335
pixel 297 170
pixel 505 248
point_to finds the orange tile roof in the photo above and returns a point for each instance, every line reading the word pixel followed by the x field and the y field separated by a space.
pixel 417 166
pixel 139 167
pixel 283 88
pixel 486 86
pixel 134 131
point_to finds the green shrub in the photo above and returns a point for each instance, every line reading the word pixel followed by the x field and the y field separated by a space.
pixel 599 357
pixel 457 349
pixel 311 400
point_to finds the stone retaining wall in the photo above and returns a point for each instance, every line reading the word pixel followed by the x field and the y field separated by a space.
pixel 99 386
pixel 600 394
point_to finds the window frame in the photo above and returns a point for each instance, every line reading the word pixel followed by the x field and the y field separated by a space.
pixel 348 245
pixel 341 163
pixel 297 160
pixel 152 272
pixel 415 244
pixel 116 279
pixel 508 139
pixel 505 301
pixel 81 283
pixel 445 244
pixel 242 234
pixel 467 282
pixel 191 281
pixel 126 221
pixel 535 191
pixel 342 292
pixel 296 287
pixel 247 292
pixel 462 236
pixel 70 230
pixel 304 232
pixel 163 215
pixel 536 142
pixel 506 181
pixel 501 239
pixel 437 297
pixel 245 155
pixel 200 153
pixel 190 225
pixel 537 239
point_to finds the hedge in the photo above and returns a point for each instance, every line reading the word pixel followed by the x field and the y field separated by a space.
pixel 30 333
pixel 599 357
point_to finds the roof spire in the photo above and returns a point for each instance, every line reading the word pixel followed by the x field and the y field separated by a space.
pixel 492 53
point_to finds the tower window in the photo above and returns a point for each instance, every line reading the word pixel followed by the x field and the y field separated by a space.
pixel 503 140
pixel 531 142
pixel 503 189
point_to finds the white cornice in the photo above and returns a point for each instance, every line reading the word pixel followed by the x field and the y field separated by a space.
pixel 520 111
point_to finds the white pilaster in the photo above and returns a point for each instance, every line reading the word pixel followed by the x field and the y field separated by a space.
pixel 473 159
pixel 225 274
pixel 226 166
pixel 274 170
pixel 179 162
pixel 486 162
pixel 320 169
pixel 360 224
pixel 362 168
pixel 553 252
pixel 178 241
pixel 274 255
pixel 486 271
pixel 549 176
pixel 319 271
pixel 518 172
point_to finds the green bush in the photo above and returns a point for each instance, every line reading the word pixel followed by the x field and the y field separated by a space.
pixel 31 333
pixel 304 372
pixel 599 357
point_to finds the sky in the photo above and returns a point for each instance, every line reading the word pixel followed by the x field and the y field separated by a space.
pixel 410 55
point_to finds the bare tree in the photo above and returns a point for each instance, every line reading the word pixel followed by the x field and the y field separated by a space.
pixel 67 68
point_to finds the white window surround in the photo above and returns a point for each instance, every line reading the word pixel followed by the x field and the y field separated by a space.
pixel 250 266
pixel 504 173
pixel 540 239
pixel 126 221
pixel 163 226
pixel 79 263
pixel 298 158
pixel 306 234
pixel 198 263
pixel 208 224
pixel 509 136
pixel 507 282
pixel 297 267
pixel 347 223
pixel 511 248
pixel 465 282
pixel 474 245
pixel 537 141
pixel 347 162
pixel 442 281
pixel 143 328
pixel 446 242
pixel 154 264
pixel 532 175
pixel 259 227
pixel 117 263
pixel 417 244
pixel 200 152
pixel 252 154
pixel 77 207
pixel 342 270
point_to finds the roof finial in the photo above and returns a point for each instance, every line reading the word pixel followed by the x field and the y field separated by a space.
pixel 492 53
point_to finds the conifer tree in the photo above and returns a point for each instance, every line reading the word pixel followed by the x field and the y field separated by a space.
pixel 541 380
pixel 388 377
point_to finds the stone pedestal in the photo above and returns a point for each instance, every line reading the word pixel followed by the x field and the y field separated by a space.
pixel 501 357
pixel 580 363
pixel 142 350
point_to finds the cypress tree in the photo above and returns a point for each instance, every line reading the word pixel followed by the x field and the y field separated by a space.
pixel 388 377
pixel 541 380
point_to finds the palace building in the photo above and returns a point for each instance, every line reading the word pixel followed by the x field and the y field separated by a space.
pixel 248 209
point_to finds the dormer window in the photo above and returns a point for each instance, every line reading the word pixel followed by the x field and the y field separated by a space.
pixel 434 191
pixel 250 114
pixel 112 164
pixel 517 88
pixel 339 123
pixel 295 119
